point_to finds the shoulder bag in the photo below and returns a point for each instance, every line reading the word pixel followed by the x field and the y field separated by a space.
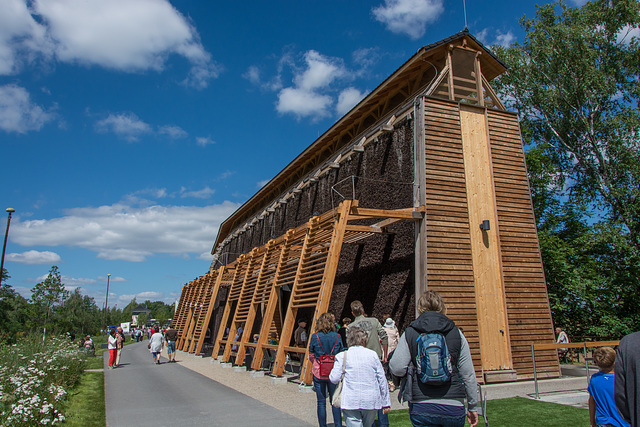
pixel 337 394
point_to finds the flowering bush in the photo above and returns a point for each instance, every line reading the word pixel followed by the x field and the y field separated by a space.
pixel 34 379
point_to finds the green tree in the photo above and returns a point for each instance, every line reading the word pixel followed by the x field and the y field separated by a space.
pixel 47 296
pixel 80 314
pixel 575 83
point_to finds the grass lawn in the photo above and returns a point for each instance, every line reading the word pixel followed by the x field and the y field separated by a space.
pixel 518 411
pixel 85 405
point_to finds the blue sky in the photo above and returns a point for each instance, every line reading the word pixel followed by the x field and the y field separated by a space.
pixel 130 129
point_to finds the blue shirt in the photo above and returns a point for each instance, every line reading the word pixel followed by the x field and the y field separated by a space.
pixel 601 389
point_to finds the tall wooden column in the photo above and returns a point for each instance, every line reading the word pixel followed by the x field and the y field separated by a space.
pixel 485 247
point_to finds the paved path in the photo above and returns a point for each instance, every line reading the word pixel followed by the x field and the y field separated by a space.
pixel 140 393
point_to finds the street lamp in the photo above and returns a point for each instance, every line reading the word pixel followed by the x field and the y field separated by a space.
pixel 106 300
pixel 9 211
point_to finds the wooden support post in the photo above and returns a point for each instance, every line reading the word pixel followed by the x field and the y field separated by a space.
pixel 212 302
pixel 233 329
pixel 328 278
pixel 292 311
pixel 227 310
pixel 272 303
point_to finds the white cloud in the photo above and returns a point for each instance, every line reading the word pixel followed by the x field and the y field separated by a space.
pixel 408 17
pixel 305 98
pixel 116 279
pixel 205 193
pixel 505 39
pixel 141 297
pixel 70 283
pixel 34 257
pixel 499 38
pixel 20 36
pixel 125 125
pixel 262 183
pixel 348 98
pixel 303 103
pixel 204 141
pixel 125 35
pixel 173 132
pixel 125 232
pixel 17 112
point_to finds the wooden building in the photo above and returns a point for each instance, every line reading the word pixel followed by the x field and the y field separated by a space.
pixel 422 185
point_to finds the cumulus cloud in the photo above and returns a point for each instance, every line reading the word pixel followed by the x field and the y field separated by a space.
pixel 125 125
pixel 124 35
pixel 408 17
pixel 125 232
pixel 34 257
pixel 348 98
pixel 17 112
pixel 305 98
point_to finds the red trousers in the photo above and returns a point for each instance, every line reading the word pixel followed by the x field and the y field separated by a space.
pixel 112 356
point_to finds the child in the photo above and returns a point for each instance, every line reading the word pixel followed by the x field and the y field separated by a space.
pixel 602 406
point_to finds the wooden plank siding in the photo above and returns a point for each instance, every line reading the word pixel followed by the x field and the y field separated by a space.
pixel 449 258
pixel 449 251
pixel 528 309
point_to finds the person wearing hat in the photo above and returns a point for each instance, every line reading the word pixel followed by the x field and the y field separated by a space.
pixel 300 334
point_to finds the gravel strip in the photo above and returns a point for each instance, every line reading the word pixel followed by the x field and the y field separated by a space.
pixel 284 397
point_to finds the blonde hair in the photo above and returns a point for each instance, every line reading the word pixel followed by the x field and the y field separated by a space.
pixel 605 358
pixel 431 301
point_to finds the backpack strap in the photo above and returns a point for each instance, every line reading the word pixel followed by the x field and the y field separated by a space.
pixel 334 345
pixel 318 337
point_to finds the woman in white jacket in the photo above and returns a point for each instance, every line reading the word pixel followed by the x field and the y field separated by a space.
pixel 364 388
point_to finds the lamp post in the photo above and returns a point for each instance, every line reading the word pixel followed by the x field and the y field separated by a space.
pixel 106 300
pixel 9 211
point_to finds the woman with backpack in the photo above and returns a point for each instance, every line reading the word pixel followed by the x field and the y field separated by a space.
pixel 323 347
pixel 437 387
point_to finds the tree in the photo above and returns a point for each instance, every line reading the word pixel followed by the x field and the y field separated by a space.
pixel 575 83
pixel 79 313
pixel 47 296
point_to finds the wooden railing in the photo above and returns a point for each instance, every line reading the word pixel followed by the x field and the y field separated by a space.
pixel 567 345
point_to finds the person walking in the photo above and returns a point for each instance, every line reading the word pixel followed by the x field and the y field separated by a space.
pixel 432 402
pixel 112 347
pixel 171 336
pixel 377 341
pixel 364 388
pixel 156 343
pixel 562 338
pixel 627 379
pixel 119 345
pixel 324 342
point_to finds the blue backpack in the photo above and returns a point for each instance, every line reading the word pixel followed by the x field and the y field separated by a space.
pixel 433 361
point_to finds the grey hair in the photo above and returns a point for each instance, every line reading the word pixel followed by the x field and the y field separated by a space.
pixel 356 336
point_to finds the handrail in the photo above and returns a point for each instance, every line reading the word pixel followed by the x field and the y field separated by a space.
pixel 550 346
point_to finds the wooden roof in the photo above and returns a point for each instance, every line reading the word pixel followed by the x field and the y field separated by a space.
pixel 405 83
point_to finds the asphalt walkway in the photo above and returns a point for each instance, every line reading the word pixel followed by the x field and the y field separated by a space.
pixel 140 393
